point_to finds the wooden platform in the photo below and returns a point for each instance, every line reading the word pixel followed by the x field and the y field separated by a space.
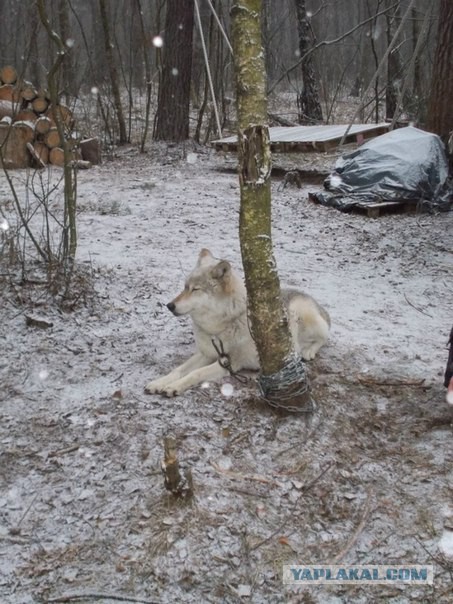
pixel 378 208
pixel 294 139
pixel 374 210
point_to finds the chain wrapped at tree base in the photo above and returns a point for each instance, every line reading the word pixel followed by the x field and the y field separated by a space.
pixel 288 389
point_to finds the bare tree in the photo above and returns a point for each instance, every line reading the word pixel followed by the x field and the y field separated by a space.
pixel 69 77
pixel 283 376
pixel 440 106
pixel 108 45
pixel 308 103
pixel 172 118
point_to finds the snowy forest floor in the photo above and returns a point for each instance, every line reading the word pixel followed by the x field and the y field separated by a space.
pixel 366 479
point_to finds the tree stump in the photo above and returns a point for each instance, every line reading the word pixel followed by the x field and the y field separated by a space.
pixel 177 481
pixel 13 146
pixel 91 150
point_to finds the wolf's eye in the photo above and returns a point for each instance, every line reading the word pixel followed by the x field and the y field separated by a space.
pixel 196 289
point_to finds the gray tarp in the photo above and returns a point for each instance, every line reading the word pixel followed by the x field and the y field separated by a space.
pixel 405 164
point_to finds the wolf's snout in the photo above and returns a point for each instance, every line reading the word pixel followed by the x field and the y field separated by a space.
pixel 171 307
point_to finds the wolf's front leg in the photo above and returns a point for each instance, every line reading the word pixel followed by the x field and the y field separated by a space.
pixel 194 362
pixel 204 374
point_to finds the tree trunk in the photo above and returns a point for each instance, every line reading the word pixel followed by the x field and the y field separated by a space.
pixel 13 147
pixel 69 75
pixel 148 76
pixel 269 325
pixel 108 45
pixel 394 70
pixel 440 106
pixel 69 235
pixel 308 102
pixel 172 118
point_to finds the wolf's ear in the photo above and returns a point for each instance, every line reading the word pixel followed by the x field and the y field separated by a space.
pixel 221 270
pixel 205 254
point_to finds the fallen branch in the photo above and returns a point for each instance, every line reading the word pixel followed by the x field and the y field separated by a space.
pixel 370 381
pixel 63 451
pixel 416 308
pixel 239 476
pixel 356 533
pixel 98 596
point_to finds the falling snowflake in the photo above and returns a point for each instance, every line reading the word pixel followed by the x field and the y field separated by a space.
pixel 227 390
pixel 70 43
pixel 4 226
pixel 174 71
pixel 43 374
pixel 192 158
pixel 158 41
pixel 95 90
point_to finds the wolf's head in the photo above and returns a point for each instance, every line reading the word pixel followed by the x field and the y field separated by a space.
pixel 210 282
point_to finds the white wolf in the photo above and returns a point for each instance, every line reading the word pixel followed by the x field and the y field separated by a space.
pixel 215 298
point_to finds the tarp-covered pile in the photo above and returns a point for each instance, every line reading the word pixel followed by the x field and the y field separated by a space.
pixel 407 164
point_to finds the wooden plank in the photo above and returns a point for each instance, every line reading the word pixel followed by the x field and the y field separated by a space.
pixel 309 138
pixel 377 208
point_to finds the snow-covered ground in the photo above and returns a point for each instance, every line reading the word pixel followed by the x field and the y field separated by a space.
pixel 367 479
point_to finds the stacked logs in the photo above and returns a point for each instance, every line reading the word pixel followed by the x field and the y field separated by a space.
pixel 28 127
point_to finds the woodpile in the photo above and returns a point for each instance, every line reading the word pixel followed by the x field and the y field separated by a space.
pixel 29 134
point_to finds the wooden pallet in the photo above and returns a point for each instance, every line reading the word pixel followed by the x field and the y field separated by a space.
pixel 374 210
pixel 303 139
pixel 378 208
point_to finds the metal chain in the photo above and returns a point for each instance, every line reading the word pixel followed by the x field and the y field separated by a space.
pixel 225 361
pixel 310 408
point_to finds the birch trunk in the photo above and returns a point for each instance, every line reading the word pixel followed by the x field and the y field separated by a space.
pixel 269 326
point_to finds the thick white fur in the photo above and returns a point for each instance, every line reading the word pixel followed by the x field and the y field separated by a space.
pixel 215 298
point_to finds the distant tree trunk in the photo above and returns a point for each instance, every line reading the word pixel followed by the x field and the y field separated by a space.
pixel 269 324
pixel 35 73
pixel 172 118
pixel 69 79
pixel 113 73
pixel 394 70
pixel 148 76
pixel 418 79
pixel 440 106
pixel 308 102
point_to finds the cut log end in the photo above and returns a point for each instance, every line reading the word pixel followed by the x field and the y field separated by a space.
pixel 8 75
pixel 177 481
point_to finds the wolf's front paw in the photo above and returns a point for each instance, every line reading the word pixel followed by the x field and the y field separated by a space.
pixel 309 351
pixel 156 386
pixel 171 390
